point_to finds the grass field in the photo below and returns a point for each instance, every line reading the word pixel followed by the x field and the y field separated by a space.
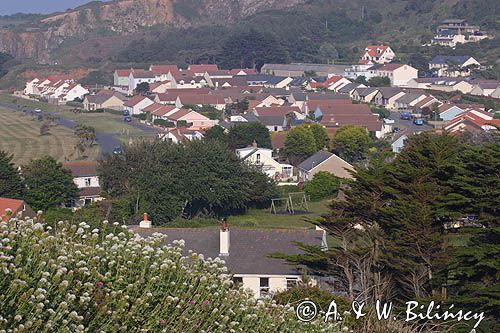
pixel 20 136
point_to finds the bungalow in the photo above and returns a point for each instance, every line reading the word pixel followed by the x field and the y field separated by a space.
pixel 162 112
pixel 237 81
pixel 189 82
pixel 447 84
pixel 408 101
pixel 399 74
pixel 377 54
pixel 200 70
pixel 269 81
pixel 164 72
pixel 160 87
pixel 324 161
pixel 450 111
pixel 152 107
pixel 300 69
pixel 247 252
pixel 86 178
pixel 137 104
pixel 364 94
pixel 215 100
pixel 452 66
pixel 104 99
pixel 484 87
pixel 348 89
pixel 11 208
pixel 475 121
pixel 178 135
pixel 70 93
pixel 398 142
pixel 262 158
pixel 192 119
pixel 333 83
pixel 387 96
pixel 242 71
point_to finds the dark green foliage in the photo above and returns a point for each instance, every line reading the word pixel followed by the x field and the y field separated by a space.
pixel 244 134
pixel 96 77
pixel 190 180
pixel 351 142
pixel 320 297
pixel 10 180
pixel 216 133
pixel 48 185
pixel 142 88
pixel 163 123
pixel 300 143
pixel 379 81
pixel 251 49
pixel 323 185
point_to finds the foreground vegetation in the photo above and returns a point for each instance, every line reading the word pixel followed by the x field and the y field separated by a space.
pixel 81 279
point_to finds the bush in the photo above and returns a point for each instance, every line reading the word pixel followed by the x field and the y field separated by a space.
pixel 90 280
pixel 75 104
pixel 164 123
pixel 323 185
pixel 320 297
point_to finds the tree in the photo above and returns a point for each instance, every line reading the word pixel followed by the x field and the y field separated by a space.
pixel 86 134
pixel 244 134
pixel 10 180
pixel 216 133
pixel 379 81
pixel 320 135
pixel 48 184
pixel 251 49
pixel 323 185
pixel 142 88
pixel 351 142
pixel 328 53
pixel 361 80
pixel 300 144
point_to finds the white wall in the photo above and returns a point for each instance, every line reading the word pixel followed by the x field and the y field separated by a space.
pixel 80 181
pixel 276 282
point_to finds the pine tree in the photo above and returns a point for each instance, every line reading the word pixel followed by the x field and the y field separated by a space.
pixel 10 180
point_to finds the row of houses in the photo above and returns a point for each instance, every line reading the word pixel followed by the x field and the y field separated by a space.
pixel 452 32
pixel 57 89
pixel 476 87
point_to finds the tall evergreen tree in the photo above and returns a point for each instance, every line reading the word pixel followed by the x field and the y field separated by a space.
pixel 10 180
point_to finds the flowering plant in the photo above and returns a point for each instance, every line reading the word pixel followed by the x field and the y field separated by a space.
pixel 72 278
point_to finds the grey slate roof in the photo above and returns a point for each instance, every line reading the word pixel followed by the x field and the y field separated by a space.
pixel 366 91
pixel 269 79
pixel 441 59
pixel 349 87
pixel 388 92
pixel 249 250
pixel 407 98
pixel 314 160
pixel 272 120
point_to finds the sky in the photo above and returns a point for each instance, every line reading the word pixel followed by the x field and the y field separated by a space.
pixel 8 7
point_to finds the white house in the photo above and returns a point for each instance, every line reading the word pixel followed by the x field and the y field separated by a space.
pixel 72 92
pixel 399 74
pixel 137 104
pixel 178 135
pixel 485 88
pixel 324 161
pixel 377 54
pixel 247 252
pixel 263 158
pixel 452 66
pixel 136 78
pixel 86 178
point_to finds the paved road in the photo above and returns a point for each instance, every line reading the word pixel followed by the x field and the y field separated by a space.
pixel 107 141
pixel 398 122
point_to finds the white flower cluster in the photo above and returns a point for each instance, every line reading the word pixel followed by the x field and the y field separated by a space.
pixel 82 279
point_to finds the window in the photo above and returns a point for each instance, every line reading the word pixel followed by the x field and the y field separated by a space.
pixel 264 287
pixel 257 158
pixel 238 280
pixel 88 181
pixel 291 283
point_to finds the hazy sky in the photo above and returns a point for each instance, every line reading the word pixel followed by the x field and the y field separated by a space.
pixel 8 7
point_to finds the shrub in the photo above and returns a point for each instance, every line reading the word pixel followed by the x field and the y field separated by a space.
pixel 323 184
pixel 164 123
pixel 111 280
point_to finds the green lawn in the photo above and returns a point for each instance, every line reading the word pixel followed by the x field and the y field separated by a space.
pixel 20 136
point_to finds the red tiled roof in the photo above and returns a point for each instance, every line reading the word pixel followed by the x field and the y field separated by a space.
pixel 164 69
pixel 126 72
pixel 275 110
pixel 202 68
pixel 372 50
pixel 134 100
pixel 179 114
pixel 13 204
pixel 82 168
pixel 202 99
pixel 160 112
pixel 278 139
pixel 153 107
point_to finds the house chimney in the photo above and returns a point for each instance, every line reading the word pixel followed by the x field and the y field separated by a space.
pixel 254 144
pixel 224 240
pixel 145 223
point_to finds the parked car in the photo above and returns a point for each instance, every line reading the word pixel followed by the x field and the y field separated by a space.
pixel 395 130
pixel 118 151
pixel 127 119
pixel 418 121
pixel 126 113
pixel 405 115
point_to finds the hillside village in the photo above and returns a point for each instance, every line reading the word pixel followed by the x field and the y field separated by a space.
pixel 278 130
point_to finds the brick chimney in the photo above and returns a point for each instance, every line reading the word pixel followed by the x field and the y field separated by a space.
pixel 224 239
pixel 145 223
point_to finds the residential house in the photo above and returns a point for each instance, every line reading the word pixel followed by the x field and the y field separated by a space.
pixel 399 74
pixel 242 71
pixel 398 142
pixel 263 158
pixel 86 178
pixel 160 87
pixel 324 161
pixel 333 83
pixel 70 93
pixel 151 108
pixel 269 81
pixel 215 100
pixel 387 96
pixel 162 112
pixel 474 121
pixel 136 104
pixel 348 89
pixel 449 111
pixel 189 82
pixel 452 66
pixel 447 84
pixel 377 54
pixel 105 99
pixel 448 38
pixel 121 76
pixel 136 78
pixel 237 81
pixel 365 94
pixel 408 101
pixel 484 87
pixel 178 135
pixel 248 253
pixel 496 94
pixel 355 71
pixel 190 119
pixel 12 208
pixel 457 31
pixel 164 72
pixel 200 70
pixel 301 69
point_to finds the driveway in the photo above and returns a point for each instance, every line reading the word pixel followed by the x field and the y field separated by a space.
pixel 398 122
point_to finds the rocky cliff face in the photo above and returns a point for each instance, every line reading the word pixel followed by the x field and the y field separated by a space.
pixel 126 17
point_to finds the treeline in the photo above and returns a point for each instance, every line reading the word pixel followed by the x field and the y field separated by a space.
pixel 393 244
